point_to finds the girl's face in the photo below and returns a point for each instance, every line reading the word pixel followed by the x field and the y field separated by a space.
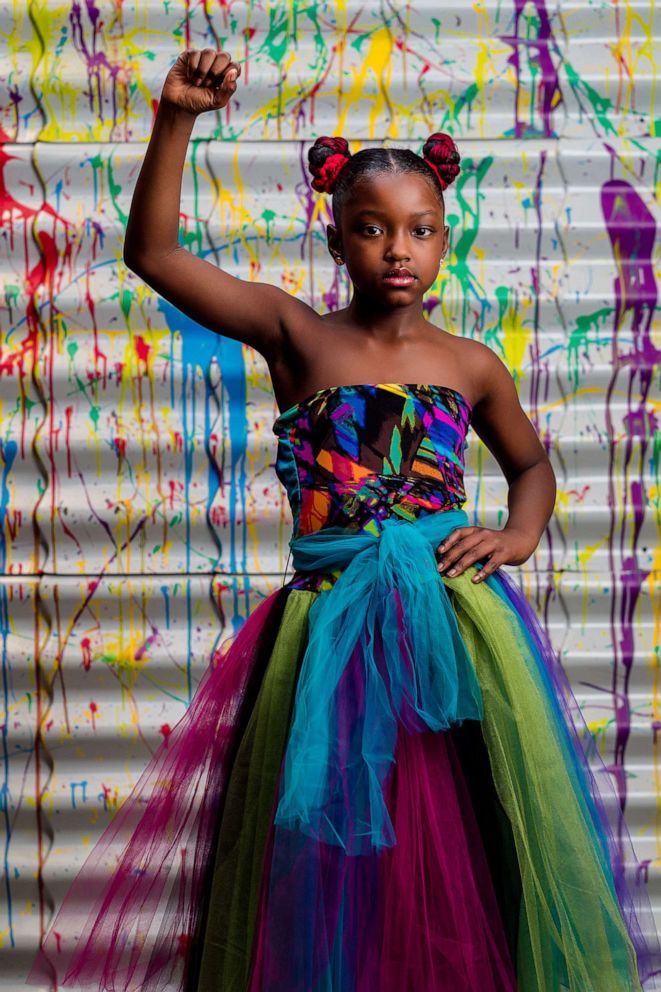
pixel 391 221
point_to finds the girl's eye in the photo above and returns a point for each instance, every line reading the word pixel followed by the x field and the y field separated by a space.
pixel 374 227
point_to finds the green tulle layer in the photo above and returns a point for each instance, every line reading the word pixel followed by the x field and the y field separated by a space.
pixel 571 931
pixel 248 810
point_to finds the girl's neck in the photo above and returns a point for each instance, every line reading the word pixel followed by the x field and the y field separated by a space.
pixel 384 322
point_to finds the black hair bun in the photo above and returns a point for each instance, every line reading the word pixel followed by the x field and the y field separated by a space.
pixel 326 159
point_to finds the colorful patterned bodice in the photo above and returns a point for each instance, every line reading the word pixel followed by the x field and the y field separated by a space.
pixel 351 455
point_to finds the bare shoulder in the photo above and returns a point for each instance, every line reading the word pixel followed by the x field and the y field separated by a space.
pixel 478 363
pixel 497 416
pixel 494 387
pixel 300 323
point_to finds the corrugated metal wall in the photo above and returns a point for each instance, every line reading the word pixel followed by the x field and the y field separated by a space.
pixel 141 517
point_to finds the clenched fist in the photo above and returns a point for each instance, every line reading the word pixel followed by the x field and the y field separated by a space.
pixel 201 80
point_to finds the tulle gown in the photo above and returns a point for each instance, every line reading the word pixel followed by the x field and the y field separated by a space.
pixel 384 784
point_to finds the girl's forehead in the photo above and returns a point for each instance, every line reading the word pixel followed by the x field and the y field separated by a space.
pixel 414 193
pixel 381 180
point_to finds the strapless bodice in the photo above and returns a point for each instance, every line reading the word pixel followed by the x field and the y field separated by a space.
pixel 351 455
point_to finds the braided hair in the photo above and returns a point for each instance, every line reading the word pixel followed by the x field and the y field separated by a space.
pixel 335 169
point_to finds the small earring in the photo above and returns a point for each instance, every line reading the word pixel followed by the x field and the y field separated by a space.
pixel 340 261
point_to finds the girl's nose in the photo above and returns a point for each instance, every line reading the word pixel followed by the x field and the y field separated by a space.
pixel 397 253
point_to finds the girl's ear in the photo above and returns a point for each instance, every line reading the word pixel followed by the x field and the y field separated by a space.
pixel 334 241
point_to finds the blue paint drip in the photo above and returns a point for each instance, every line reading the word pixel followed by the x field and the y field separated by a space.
pixel 83 790
pixel 58 195
pixel 199 347
pixel 166 599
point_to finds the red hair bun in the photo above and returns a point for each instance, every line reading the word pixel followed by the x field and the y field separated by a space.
pixel 326 159
pixel 441 153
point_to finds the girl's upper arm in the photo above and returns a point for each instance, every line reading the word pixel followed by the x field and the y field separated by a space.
pixel 500 420
pixel 255 313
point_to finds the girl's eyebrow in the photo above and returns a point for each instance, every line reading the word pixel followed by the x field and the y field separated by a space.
pixel 381 213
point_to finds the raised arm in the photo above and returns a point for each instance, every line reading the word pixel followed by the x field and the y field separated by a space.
pixel 255 313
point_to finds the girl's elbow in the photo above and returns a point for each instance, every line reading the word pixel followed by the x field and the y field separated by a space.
pixel 129 257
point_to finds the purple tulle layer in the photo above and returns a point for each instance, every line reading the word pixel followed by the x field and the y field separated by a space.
pixel 420 915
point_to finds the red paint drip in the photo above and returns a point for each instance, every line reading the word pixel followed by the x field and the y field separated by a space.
pixel 142 350
pixel 87 653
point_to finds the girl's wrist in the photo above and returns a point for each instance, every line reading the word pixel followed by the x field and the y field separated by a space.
pixel 174 113
pixel 524 542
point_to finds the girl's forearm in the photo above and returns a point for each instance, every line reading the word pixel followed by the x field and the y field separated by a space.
pixel 530 501
pixel 153 225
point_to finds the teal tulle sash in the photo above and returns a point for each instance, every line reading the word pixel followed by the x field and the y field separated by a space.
pixel 383 648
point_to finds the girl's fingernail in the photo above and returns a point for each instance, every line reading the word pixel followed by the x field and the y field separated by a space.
pixel 451 571
pixel 441 547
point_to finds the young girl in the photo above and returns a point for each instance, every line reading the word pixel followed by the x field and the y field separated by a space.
pixel 382 785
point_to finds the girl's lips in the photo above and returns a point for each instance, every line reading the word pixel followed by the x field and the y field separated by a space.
pixel 399 280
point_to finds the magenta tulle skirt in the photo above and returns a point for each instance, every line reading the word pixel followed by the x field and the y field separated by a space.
pixel 423 914
pixel 489 853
